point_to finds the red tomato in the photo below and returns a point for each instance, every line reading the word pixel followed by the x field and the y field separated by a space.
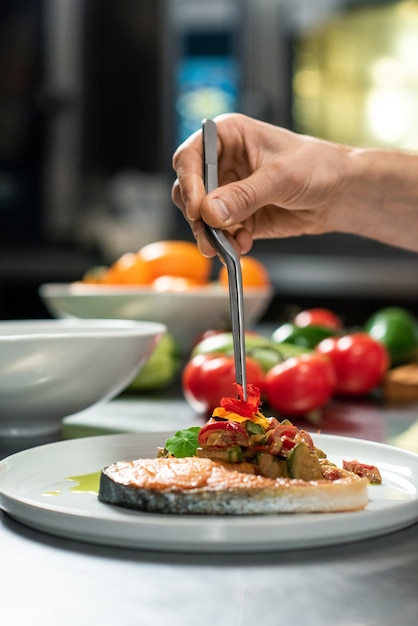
pixel 300 384
pixel 359 362
pixel 207 378
pixel 318 317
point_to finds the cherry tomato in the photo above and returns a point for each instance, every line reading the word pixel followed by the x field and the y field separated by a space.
pixel 318 317
pixel 360 362
pixel 300 384
pixel 207 378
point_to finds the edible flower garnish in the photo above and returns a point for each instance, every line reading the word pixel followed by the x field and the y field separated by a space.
pixel 240 410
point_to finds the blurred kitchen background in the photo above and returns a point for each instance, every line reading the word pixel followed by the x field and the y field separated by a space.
pixel 96 94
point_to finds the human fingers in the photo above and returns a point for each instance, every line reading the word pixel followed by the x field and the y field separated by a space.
pixel 177 198
pixel 240 239
pixel 189 190
pixel 234 203
pixel 196 225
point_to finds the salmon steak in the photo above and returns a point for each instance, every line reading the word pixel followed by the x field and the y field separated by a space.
pixel 203 486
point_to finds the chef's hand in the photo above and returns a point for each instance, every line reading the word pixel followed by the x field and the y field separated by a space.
pixel 274 183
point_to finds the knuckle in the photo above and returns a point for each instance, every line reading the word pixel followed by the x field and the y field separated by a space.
pixel 245 195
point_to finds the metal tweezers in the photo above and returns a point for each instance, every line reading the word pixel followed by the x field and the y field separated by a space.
pixel 227 254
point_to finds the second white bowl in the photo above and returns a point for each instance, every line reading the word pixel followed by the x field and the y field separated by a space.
pixel 53 368
pixel 186 314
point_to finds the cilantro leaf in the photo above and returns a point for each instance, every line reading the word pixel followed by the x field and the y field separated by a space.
pixel 184 442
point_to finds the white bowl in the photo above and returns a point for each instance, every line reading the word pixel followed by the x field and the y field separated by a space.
pixel 53 368
pixel 186 314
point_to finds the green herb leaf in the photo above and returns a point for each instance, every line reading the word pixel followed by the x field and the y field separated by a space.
pixel 184 442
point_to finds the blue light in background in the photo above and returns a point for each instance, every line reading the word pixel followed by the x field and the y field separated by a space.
pixel 206 86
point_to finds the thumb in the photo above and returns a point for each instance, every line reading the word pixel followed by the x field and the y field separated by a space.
pixel 233 203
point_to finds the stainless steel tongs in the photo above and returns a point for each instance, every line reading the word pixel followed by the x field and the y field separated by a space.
pixel 228 255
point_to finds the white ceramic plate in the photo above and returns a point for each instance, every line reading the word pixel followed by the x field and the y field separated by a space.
pixel 29 479
pixel 187 314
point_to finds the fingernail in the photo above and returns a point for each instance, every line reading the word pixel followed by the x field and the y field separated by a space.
pixel 220 209
pixel 188 217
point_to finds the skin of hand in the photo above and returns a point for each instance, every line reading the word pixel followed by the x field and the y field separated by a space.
pixel 274 183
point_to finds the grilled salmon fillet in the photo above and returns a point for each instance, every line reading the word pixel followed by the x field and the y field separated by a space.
pixel 201 486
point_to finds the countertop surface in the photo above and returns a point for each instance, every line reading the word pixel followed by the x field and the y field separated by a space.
pixel 50 580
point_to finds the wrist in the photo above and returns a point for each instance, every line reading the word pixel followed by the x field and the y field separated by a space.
pixel 379 196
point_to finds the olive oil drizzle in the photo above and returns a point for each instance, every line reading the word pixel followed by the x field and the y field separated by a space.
pixel 85 483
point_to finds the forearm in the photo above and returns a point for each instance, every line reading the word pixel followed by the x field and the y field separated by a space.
pixel 380 197
pixel 275 183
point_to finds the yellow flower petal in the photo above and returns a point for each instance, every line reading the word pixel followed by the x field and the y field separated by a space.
pixel 235 417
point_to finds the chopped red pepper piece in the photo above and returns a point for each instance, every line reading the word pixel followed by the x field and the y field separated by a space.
pixel 240 410
pixel 281 430
pixel 287 443
pixel 223 434
pixel 371 472
pixel 246 408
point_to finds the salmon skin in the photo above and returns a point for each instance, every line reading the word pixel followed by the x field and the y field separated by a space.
pixel 202 486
